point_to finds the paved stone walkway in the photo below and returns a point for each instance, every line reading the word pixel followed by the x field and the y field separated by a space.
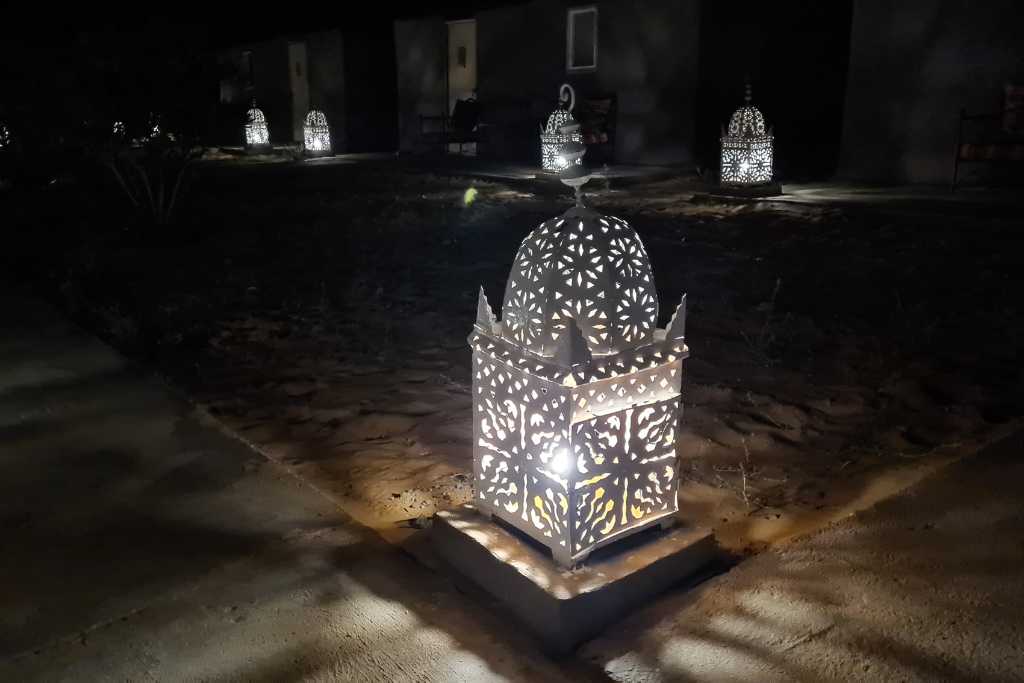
pixel 137 543
pixel 926 586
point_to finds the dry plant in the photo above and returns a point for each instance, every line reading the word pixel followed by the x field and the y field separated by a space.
pixel 763 344
pixel 746 471
pixel 151 176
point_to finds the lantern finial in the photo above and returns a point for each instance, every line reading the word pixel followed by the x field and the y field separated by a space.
pixel 567 97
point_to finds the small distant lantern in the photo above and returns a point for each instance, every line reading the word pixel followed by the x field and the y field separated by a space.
pixel 576 393
pixel 257 136
pixel 119 131
pixel 317 134
pixel 153 129
pixel 746 148
pixel 554 135
pixel 5 136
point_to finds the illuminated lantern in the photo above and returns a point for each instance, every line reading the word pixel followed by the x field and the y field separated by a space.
pixel 257 136
pixel 119 130
pixel 746 148
pixel 5 136
pixel 576 393
pixel 154 127
pixel 317 134
pixel 555 134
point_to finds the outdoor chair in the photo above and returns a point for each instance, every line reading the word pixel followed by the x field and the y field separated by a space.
pixel 463 127
pixel 995 139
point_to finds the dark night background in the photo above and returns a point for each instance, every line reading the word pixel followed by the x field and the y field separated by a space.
pixel 60 71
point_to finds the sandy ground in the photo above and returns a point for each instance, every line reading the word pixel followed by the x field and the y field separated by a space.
pixel 819 383
pixel 139 544
pixel 925 586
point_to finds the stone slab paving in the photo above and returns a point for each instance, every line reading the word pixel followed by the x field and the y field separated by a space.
pixel 139 543
pixel 925 586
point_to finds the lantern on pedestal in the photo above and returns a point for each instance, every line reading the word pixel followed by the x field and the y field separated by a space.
pixel 257 136
pixel 317 134
pixel 576 393
pixel 559 131
pixel 746 148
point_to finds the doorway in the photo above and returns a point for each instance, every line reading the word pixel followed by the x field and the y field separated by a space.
pixel 461 61
pixel 299 79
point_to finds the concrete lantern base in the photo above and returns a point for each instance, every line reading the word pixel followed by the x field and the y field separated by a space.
pixel 564 607
pixel 772 189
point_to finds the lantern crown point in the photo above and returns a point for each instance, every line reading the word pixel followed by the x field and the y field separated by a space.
pixel 572 348
pixel 484 315
pixel 676 328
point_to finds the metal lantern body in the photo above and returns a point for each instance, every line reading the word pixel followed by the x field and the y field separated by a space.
pixel 576 394
pixel 553 138
pixel 317 134
pixel 561 129
pixel 257 136
pixel 747 148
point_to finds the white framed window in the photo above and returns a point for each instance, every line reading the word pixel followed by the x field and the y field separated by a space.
pixel 581 39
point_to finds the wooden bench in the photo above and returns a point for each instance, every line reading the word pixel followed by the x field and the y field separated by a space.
pixel 993 138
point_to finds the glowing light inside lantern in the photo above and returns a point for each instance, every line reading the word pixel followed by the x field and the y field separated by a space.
pixel 560 461
pixel 747 148
pixel 316 133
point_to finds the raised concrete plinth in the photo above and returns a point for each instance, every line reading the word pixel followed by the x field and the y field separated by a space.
pixel 717 192
pixel 565 607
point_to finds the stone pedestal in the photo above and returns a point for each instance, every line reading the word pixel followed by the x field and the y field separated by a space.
pixel 564 607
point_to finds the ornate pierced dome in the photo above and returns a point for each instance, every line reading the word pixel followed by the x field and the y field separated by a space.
pixel 746 122
pixel 316 118
pixel 255 115
pixel 558 118
pixel 586 267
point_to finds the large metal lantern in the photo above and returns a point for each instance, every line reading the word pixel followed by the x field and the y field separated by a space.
pixel 317 134
pixel 576 393
pixel 257 136
pixel 746 148
pixel 554 135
